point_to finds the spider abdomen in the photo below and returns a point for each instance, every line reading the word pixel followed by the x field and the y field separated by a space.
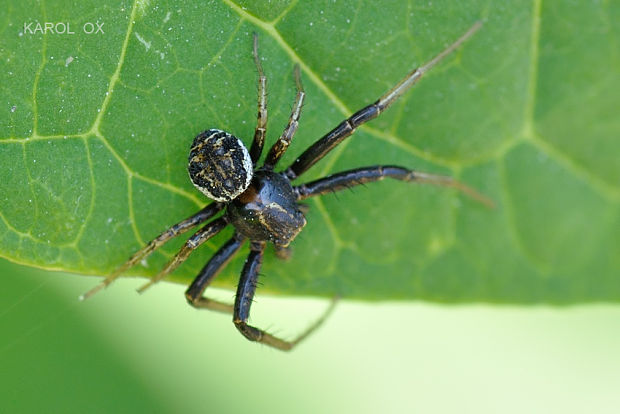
pixel 219 165
pixel 267 210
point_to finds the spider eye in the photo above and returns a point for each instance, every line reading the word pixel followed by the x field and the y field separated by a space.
pixel 220 165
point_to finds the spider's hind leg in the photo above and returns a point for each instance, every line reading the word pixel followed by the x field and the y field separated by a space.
pixel 217 262
pixel 283 253
pixel 243 301
pixel 179 228
pixel 205 233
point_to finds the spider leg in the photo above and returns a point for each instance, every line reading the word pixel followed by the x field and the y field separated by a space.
pixel 243 301
pixel 179 228
pixel 261 123
pixel 220 259
pixel 201 236
pixel 328 142
pixel 283 253
pixel 279 148
pixel 347 179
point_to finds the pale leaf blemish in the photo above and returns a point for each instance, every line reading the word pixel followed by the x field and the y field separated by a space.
pixel 141 6
pixel 436 245
pixel 167 17
pixel 146 44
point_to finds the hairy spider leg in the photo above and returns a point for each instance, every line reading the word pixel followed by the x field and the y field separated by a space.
pixel 201 236
pixel 261 123
pixel 281 145
pixel 350 178
pixel 179 228
pixel 245 296
pixel 213 267
pixel 328 142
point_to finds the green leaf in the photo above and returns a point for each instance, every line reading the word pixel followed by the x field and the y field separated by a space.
pixel 95 130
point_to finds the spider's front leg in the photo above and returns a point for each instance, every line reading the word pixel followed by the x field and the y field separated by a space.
pixel 243 301
pixel 261 121
pixel 350 178
pixel 346 128
pixel 279 148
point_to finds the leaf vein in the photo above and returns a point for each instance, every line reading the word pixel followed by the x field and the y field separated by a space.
pixel 608 191
pixel 507 203
pixel 314 77
pixel 533 68
pixel 116 75
pixel 91 206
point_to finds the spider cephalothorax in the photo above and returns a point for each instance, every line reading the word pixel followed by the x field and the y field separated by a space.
pixel 262 204
pixel 267 210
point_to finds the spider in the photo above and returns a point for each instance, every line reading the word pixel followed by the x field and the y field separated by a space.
pixel 262 204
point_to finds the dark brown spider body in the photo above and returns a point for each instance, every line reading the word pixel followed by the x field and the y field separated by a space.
pixel 267 210
pixel 262 204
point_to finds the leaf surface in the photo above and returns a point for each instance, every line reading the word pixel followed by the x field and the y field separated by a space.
pixel 95 131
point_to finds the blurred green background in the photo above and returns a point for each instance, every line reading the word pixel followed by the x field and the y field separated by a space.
pixel 122 352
